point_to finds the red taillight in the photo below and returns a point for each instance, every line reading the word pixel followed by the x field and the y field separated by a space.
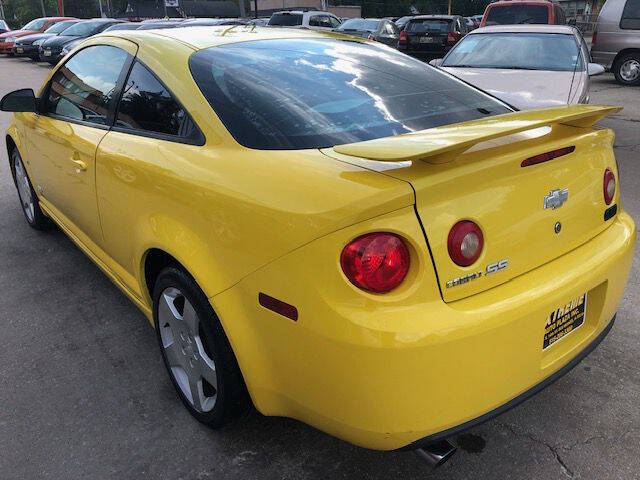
pixel 453 37
pixel 403 37
pixel 377 262
pixel 465 243
pixel 545 157
pixel 594 37
pixel 608 186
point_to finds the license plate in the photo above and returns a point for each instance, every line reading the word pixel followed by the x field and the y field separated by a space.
pixel 564 320
pixel 20 50
pixel 47 53
pixel 427 40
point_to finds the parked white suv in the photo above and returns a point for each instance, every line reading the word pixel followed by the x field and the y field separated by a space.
pixel 315 20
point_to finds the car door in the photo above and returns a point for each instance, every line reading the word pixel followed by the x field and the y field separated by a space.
pixel 153 125
pixel 76 110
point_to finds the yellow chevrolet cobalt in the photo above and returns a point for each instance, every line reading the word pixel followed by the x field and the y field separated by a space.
pixel 327 229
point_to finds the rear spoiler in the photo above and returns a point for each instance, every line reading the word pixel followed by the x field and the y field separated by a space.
pixel 443 144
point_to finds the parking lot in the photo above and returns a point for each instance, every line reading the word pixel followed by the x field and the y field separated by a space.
pixel 84 394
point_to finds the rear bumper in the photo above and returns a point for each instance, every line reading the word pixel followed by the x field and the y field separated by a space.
pixel 603 58
pixel 436 437
pixel 385 372
pixel 6 47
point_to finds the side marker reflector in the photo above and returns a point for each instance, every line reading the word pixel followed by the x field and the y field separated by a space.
pixel 278 306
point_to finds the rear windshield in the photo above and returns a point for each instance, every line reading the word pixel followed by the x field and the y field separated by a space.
pixel 306 93
pixel 360 24
pixel 59 27
pixel 518 14
pixel 286 19
pixel 83 29
pixel 428 26
pixel 545 51
pixel 36 24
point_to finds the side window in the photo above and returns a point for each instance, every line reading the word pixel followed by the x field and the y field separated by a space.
pixel 388 29
pixel 335 23
pixel 315 21
pixel 83 88
pixel 147 106
pixel 631 15
pixel 325 21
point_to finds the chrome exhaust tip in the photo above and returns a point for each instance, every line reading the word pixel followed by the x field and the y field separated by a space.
pixel 437 453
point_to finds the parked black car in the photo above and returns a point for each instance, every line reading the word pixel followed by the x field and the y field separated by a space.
pixel 29 46
pixel 402 21
pixel 380 30
pixel 123 26
pixel 431 36
pixel 51 49
pixel 158 25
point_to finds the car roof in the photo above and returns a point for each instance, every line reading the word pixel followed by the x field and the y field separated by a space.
pixel 525 29
pixel 204 37
pixel 446 17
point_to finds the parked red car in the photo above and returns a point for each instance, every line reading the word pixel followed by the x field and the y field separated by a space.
pixel 38 25
pixel 512 12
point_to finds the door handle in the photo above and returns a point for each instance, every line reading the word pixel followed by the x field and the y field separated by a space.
pixel 80 165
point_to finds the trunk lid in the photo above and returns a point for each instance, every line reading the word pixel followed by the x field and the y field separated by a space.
pixel 472 171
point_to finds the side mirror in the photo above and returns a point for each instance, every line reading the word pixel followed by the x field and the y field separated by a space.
pixel 436 62
pixel 19 101
pixel 594 69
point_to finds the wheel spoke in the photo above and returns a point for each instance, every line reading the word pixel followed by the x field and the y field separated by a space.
pixel 208 371
pixel 190 318
pixel 167 313
pixel 174 356
pixel 196 393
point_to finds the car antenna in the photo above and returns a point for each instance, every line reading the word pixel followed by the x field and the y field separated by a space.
pixel 228 30
pixel 575 68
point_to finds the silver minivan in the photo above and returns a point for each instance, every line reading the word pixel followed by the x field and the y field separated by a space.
pixel 616 40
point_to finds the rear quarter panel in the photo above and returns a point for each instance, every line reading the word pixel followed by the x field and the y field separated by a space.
pixel 220 209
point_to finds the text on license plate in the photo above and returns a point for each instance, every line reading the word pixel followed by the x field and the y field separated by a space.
pixel 19 50
pixel 427 40
pixel 47 53
pixel 564 320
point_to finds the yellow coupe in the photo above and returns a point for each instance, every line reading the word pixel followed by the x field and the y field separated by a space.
pixel 329 229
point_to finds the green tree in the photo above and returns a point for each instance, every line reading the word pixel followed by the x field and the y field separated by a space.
pixel 20 12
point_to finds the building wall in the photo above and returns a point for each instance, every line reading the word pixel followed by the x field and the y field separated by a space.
pixel 346 11
pixel 286 4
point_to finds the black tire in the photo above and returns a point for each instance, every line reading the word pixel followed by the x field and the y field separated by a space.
pixel 621 63
pixel 39 220
pixel 232 399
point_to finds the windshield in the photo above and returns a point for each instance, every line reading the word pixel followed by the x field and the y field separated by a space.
pixel 36 24
pixel 305 93
pixel 59 27
pixel 545 51
pixel 517 14
pixel 83 29
pixel 286 19
pixel 360 24
pixel 428 26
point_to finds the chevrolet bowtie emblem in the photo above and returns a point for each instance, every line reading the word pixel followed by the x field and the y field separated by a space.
pixel 556 198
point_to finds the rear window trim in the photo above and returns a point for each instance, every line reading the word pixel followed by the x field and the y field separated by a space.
pixel 231 135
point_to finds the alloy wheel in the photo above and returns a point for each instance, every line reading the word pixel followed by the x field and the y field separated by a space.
pixel 24 189
pixel 630 70
pixel 190 361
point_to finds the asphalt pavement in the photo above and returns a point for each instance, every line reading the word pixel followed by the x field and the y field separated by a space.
pixel 84 394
